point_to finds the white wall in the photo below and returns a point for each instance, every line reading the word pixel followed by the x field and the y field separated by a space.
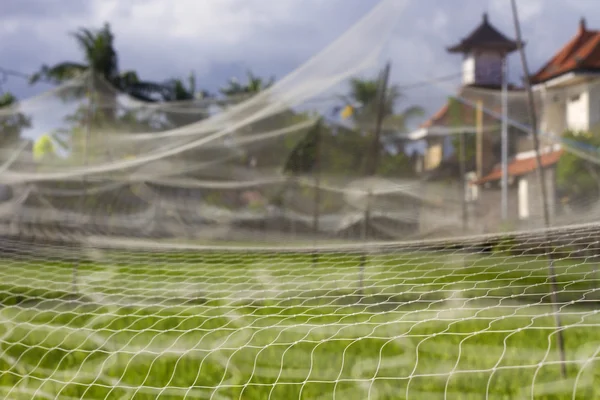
pixel 594 103
pixel 577 108
pixel 554 115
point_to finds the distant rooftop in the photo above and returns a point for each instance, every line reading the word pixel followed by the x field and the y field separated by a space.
pixel 580 54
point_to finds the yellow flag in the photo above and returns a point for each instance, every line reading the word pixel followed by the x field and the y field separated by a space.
pixel 347 112
pixel 42 147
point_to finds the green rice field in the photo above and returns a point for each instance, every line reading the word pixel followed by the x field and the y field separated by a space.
pixel 259 325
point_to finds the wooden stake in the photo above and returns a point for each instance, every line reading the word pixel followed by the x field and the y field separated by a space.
pixel 479 138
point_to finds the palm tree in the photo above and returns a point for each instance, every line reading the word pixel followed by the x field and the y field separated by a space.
pixel 236 91
pixel 197 101
pixel 99 56
pixel 177 90
pixel 362 98
pixel 101 60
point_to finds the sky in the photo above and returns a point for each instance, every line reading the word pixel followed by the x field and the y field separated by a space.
pixel 218 39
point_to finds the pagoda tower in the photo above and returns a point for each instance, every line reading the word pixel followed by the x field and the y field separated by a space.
pixel 484 51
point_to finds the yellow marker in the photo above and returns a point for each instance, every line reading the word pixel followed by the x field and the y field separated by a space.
pixel 42 147
pixel 347 112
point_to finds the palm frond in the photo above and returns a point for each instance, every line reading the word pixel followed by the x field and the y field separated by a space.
pixel 58 73
pixel 413 112
pixel 85 39
pixel 7 99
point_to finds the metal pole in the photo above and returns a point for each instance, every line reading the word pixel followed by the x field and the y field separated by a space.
pixel 373 161
pixel 533 117
pixel 479 145
pixel 88 122
pixel 463 180
pixel 365 237
pixel 504 138
pixel 456 120
pixel 317 199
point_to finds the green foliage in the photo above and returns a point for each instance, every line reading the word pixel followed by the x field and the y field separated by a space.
pixel 470 147
pixel 578 179
pixel 468 139
pixel 303 157
pixel 363 96
pixel 395 166
pixel 254 84
pixel 11 124
pixel 100 57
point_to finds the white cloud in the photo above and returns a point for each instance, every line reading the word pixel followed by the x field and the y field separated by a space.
pixel 191 34
pixel 528 10
pixel 217 38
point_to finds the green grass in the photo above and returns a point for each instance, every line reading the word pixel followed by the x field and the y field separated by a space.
pixel 257 325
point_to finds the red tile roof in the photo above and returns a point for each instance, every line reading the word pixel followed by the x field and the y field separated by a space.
pixel 582 52
pixel 521 167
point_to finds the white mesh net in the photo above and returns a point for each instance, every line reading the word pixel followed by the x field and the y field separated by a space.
pixel 241 249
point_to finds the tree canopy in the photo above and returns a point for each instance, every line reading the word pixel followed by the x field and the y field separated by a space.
pixel 11 123
pixel 578 179
pixel 340 146
pixel 388 155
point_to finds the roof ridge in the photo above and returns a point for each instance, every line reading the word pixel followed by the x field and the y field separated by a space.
pixel 575 44
pixel 484 33
pixel 595 40
pixel 578 51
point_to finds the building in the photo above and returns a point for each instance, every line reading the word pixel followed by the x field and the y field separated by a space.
pixel 484 52
pixel 524 192
pixel 475 113
pixel 567 92
pixel 569 85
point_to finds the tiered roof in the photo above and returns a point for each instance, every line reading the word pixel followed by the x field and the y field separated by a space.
pixel 485 36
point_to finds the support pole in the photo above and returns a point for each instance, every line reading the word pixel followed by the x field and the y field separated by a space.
pixel 456 121
pixel 365 236
pixel 463 180
pixel 88 124
pixel 317 180
pixel 541 176
pixel 504 139
pixel 479 138
pixel 373 161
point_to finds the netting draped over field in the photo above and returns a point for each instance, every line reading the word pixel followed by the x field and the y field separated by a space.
pixel 223 170
pixel 269 247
